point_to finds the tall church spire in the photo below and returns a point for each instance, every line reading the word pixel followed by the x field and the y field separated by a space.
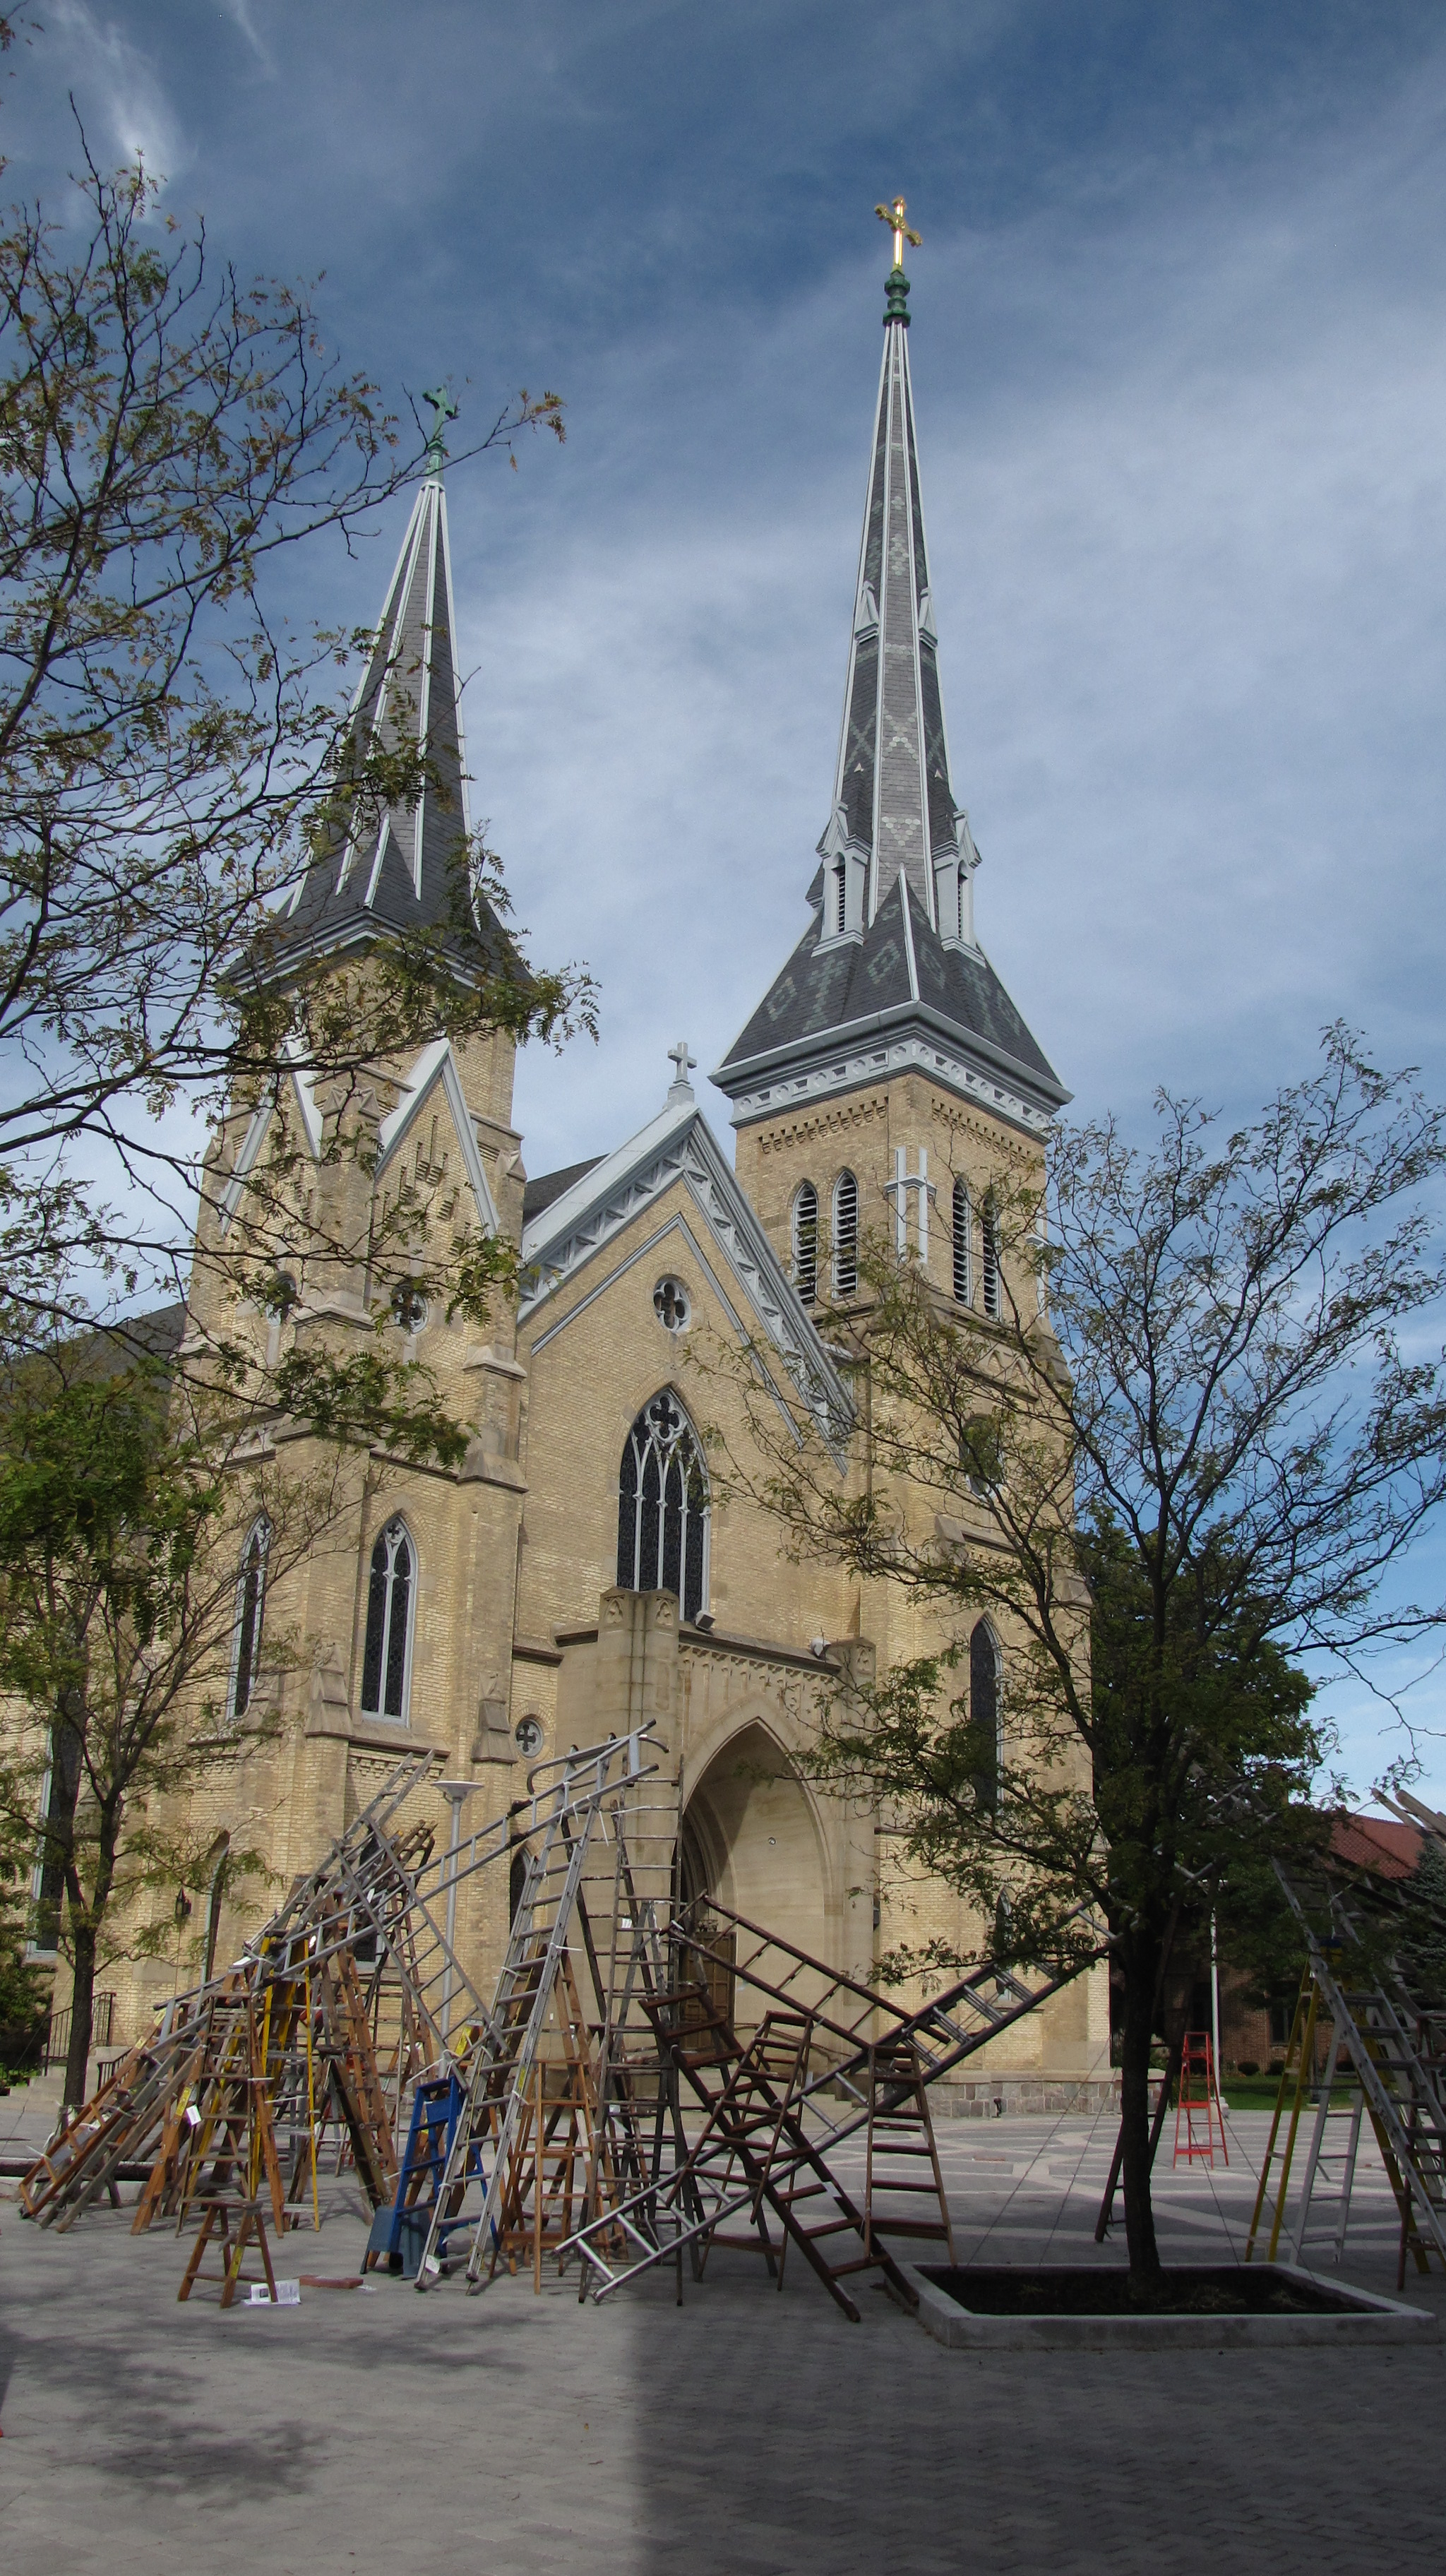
pixel 890 972
pixel 893 805
pixel 402 866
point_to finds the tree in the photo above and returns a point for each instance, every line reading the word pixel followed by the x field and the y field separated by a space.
pixel 1197 1439
pixel 144 1521
pixel 170 747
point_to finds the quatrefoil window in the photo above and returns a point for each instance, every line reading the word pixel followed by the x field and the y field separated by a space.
pixel 671 1305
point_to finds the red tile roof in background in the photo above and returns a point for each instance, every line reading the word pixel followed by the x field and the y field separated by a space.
pixel 1378 1843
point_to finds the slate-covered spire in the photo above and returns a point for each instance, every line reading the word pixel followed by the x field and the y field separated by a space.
pixel 893 804
pixel 405 868
pixel 889 974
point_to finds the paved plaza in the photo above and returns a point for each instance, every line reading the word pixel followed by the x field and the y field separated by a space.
pixel 746 2434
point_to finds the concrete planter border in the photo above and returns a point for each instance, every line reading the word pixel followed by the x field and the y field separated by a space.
pixel 1369 2319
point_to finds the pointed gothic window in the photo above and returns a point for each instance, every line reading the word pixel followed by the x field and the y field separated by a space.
pixel 963 1245
pixel 989 1265
pixel 663 1507
pixel 250 1610
pixel 386 1664
pixel 845 1235
pixel 805 1241
pixel 985 1697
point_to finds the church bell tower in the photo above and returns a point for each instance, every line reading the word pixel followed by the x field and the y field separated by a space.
pixel 886 1076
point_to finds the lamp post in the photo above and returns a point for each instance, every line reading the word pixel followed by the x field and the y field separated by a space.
pixel 454 1791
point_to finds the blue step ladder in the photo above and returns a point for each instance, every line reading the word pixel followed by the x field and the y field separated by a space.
pixel 399 2233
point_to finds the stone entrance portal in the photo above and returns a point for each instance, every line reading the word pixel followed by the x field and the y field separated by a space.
pixel 751 1839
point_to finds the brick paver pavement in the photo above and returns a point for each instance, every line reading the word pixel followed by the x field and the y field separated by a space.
pixel 747 2434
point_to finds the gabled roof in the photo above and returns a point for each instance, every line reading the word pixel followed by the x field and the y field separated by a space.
pixel 678 1146
pixel 407 868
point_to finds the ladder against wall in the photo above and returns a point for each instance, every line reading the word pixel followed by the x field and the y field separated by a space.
pixel 573 1838
pixel 363 1934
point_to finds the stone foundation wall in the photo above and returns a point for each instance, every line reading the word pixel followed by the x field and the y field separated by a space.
pixel 991 2097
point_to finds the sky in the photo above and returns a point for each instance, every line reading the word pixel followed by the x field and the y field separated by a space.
pixel 1180 379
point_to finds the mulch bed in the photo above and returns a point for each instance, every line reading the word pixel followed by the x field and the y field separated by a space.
pixel 1227 2290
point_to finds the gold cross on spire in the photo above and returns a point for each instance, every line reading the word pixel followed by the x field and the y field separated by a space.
pixel 894 216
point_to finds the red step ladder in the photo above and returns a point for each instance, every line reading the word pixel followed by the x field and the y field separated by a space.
pixel 1199 2119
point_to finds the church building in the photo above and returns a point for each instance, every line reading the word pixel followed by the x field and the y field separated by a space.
pixel 581 1570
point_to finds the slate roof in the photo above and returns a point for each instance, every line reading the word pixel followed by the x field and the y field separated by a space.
pixel 887 966
pixel 408 869
pixel 893 799
pixel 831 987
pixel 538 1195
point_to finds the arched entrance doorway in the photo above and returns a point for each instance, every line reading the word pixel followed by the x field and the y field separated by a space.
pixel 751 1840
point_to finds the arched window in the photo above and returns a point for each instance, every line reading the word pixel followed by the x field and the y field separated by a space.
pixel 963 1245
pixel 989 1264
pixel 845 1235
pixel 663 1507
pixel 984 1713
pixel 387 1662
pixel 805 1241
pixel 250 1610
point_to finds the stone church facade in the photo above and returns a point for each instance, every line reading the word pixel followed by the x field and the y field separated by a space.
pixel 580 1571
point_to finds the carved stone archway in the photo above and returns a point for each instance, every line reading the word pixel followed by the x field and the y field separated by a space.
pixel 751 1839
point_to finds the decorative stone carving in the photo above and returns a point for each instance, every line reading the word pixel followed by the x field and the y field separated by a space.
pixel 494 1736
pixel 328 1708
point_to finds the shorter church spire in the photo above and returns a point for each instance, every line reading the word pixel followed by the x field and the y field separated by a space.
pixel 403 866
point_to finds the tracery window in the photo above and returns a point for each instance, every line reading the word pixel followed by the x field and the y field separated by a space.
pixel 989 1264
pixel 963 1245
pixel 805 1241
pixel 985 1696
pixel 391 1601
pixel 663 1507
pixel 845 1235
pixel 250 1612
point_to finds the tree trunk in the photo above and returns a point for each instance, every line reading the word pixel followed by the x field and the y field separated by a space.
pixel 85 1923
pixel 1140 1980
pixel 82 2011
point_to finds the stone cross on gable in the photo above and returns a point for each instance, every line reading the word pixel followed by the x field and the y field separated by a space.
pixel 680 1087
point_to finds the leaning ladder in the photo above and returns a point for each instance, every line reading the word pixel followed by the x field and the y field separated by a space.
pixel 1400 2075
pixel 506 2052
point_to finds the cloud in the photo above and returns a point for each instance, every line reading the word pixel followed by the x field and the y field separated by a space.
pixel 240 14
pixel 116 86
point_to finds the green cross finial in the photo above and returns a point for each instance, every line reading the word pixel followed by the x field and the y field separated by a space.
pixel 443 411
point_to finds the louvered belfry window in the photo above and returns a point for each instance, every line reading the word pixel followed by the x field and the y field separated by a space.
pixel 845 1235
pixel 963 1245
pixel 990 1262
pixel 805 1241
pixel 663 1507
